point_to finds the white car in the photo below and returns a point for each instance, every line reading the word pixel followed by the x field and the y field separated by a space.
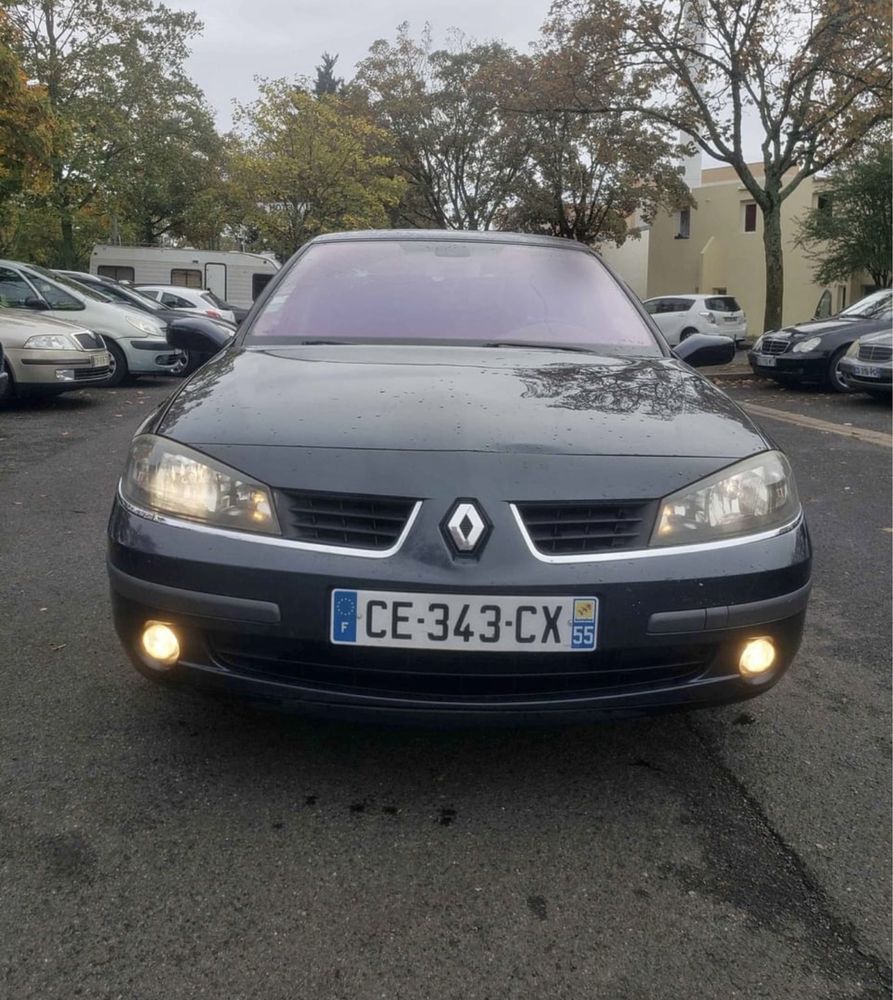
pixel 194 300
pixel 679 316
pixel 137 343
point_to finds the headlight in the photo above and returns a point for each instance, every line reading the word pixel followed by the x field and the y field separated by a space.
pixel 50 342
pixel 170 478
pixel 853 351
pixel 806 345
pixel 755 495
pixel 143 325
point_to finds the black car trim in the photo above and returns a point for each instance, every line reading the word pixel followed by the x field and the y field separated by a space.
pixel 247 536
pixel 152 345
pixel 619 555
pixel 193 602
pixel 730 616
pixel 64 362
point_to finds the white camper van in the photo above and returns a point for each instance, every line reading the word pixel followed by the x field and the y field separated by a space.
pixel 232 276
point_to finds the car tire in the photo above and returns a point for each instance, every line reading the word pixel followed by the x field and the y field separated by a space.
pixel 7 387
pixel 833 379
pixel 118 370
pixel 687 332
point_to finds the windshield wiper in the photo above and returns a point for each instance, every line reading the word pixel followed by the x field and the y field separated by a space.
pixel 540 346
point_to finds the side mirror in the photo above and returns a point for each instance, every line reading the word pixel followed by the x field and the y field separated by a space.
pixel 32 302
pixel 197 334
pixel 701 349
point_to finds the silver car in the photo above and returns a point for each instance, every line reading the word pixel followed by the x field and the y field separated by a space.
pixel 43 356
pixel 136 342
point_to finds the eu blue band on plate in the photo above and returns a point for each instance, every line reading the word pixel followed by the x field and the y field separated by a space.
pixel 344 616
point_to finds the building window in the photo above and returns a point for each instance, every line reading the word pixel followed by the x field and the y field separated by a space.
pixel 684 224
pixel 118 273
pixel 841 298
pixel 750 217
pixel 823 203
pixel 185 278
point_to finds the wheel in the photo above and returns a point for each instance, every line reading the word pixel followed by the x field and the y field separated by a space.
pixel 187 364
pixel 687 332
pixel 118 371
pixel 7 388
pixel 834 379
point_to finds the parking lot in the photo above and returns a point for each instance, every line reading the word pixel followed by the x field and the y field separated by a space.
pixel 168 845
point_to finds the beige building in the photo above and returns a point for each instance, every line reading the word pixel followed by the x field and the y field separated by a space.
pixel 717 247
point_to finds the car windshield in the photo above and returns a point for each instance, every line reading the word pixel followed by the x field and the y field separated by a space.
pixel 438 291
pixel 871 305
pixel 75 286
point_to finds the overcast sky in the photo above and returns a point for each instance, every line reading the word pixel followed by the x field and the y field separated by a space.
pixel 247 38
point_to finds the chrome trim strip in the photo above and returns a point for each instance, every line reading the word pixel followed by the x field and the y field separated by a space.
pixel 666 550
pixel 289 543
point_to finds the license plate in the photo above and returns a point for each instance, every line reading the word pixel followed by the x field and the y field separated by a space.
pixel 866 371
pixel 99 360
pixel 731 319
pixel 477 622
pixel 766 362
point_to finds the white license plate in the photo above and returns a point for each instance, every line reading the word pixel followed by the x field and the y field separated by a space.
pixel 100 360
pixel 766 362
pixel 866 371
pixel 731 319
pixel 477 622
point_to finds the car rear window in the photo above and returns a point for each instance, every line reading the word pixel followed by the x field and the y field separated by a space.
pixel 436 291
pixel 722 304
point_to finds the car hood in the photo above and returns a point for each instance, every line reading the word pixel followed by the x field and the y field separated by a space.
pixel 21 324
pixel 851 328
pixel 882 339
pixel 449 399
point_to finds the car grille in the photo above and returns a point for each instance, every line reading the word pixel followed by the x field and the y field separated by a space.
pixel 774 345
pixel 90 374
pixel 440 675
pixel 345 519
pixel 577 528
pixel 875 352
pixel 90 341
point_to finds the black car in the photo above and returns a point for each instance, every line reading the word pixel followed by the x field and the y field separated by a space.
pixel 457 475
pixel 812 352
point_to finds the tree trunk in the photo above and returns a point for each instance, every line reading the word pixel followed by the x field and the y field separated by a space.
pixel 772 247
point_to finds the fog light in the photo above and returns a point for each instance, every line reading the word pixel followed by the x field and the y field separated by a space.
pixel 160 644
pixel 65 375
pixel 757 657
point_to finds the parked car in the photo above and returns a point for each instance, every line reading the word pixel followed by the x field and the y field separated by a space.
pixel 813 352
pixel 43 356
pixel 135 341
pixel 130 297
pixel 868 365
pixel 460 475
pixel 679 316
pixel 195 300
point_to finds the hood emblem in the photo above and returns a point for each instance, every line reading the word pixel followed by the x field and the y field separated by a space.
pixel 466 527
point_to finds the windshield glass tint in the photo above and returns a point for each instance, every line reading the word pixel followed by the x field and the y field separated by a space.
pixel 419 291
pixel 871 305
pixel 76 286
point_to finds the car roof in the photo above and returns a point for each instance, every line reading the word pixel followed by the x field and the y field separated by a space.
pixel 451 236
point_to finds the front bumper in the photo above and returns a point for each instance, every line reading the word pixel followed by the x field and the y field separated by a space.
pixel 149 355
pixel 57 371
pixel 810 366
pixel 253 619
pixel 854 373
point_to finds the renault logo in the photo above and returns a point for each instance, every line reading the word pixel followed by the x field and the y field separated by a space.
pixel 466 527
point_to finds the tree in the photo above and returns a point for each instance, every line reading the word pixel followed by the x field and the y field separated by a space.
pixel 305 166
pixel 326 81
pixel 26 128
pixel 816 76
pixel 587 174
pixel 459 152
pixel 850 231
pixel 113 74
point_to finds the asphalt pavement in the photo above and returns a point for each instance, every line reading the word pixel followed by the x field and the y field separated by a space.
pixel 165 845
